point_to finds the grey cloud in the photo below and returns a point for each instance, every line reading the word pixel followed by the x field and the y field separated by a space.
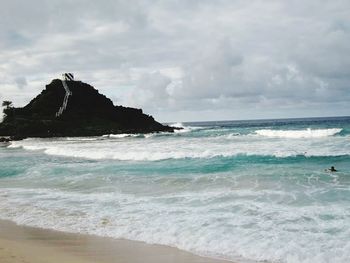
pixel 21 82
pixel 151 89
pixel 242 56
pixel 215 73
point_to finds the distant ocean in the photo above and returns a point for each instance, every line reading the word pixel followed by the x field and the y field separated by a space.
pixel 246 191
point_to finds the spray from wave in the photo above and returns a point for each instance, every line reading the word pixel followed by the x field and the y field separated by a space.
pixel 295 134
pixel 182 127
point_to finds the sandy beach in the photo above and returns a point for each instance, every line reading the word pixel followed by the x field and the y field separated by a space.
pixel 21 244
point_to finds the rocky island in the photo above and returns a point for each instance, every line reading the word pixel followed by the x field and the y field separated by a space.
pixel 73 108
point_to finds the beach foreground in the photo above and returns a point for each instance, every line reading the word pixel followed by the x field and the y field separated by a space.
pixel 34 245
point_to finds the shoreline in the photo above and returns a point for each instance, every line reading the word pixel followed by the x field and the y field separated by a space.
pixel 24 244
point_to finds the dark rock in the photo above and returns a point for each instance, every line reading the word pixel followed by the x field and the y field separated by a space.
pixel 4 139
pixel 88 113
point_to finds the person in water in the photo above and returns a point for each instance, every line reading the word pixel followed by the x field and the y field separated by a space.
pixel 332 169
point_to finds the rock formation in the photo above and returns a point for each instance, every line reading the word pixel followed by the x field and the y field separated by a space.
pixel 87 113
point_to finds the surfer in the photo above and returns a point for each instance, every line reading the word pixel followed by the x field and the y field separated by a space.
pixel 332 169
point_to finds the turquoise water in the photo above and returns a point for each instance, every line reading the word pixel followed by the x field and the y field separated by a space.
pixel 247 191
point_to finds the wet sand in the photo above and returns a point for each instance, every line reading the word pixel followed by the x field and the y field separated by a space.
pixel 21 244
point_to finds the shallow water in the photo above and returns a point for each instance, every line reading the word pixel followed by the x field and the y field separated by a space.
pixel 246 191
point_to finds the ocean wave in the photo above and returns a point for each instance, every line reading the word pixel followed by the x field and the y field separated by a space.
pixel 170 147
pixel 136 135
pixel 80 138
pixel 177 125
pixel 232 135
pixel 183 127
pixel 200 222
pixel 123 135
pixel 295 134
pixel 230 193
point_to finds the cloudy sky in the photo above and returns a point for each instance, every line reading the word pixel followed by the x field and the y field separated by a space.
pixel 184 60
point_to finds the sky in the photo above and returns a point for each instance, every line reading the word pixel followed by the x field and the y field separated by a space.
pixel 184 60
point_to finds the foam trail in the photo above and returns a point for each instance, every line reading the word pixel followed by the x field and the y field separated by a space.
pixel 295 134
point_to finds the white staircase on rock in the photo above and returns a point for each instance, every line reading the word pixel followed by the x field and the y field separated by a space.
pixel 65 100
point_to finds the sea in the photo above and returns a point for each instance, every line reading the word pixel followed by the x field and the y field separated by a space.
pixel 246 191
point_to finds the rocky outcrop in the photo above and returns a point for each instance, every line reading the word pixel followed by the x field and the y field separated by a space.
pixel 87 113
pixel 4 139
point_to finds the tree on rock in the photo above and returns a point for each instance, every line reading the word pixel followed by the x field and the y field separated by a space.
pixel 8 110
pixel 7 104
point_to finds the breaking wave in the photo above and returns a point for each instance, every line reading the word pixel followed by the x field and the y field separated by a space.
pixel 157 147
pixel 183 127
pixel 123 135
pixel 295 134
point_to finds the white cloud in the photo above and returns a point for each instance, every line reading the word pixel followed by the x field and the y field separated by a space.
pixel 178 59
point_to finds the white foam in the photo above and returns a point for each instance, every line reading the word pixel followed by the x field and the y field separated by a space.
pixel 233 135
pixel 79 138
pixel 307 133
pixel 183 127
pixel 123 135
pixel 233 224
pixel 160 147
pixel 177 125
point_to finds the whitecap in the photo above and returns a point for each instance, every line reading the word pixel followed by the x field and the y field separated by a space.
pixel 295 134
